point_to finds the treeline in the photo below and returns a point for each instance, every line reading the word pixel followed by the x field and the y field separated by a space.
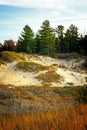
pixel 48 41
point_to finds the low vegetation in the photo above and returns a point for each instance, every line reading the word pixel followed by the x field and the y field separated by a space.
pixel 49 76
pixel 2 62
pixel 31 67
pixel 32 99
pixel 8 56
pixel 42 108
pixel 69 119
pixel 82 94
pixel 66 91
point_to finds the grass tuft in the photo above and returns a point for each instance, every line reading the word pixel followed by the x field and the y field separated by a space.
pixel 50 76
pixel 31 67
pixel 2 62
pixel 8 56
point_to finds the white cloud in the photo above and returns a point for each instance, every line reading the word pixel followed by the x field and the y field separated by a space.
pixel 57 6
pixel 43 3
pixel 29 3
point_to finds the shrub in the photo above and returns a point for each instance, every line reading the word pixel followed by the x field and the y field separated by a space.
pixel 82 94
pixel 66 91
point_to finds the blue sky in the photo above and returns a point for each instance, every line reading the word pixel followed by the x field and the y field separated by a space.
pixel 15 14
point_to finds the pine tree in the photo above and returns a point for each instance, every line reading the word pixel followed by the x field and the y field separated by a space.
pixel 46 37
pixel 26 41
pixel 59 37
pixel 72 37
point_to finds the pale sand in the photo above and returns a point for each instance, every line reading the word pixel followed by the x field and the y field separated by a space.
pixel 9 74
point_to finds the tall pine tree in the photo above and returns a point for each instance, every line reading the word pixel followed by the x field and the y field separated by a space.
pixel 46 37
pixel 59 37
pixel 26 41
pixel 72 38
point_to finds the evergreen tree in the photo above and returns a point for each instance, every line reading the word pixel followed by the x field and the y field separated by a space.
pixel 59 31
pixel 72 38
pixel 46 37
pixel 26 41
pixel 67 40
pixel 37 40
pixel 60 37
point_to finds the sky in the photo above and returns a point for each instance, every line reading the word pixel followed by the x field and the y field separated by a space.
pixel 15 14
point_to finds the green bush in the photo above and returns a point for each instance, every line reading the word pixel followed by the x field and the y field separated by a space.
pixel 22 64
pixel 82 95
pixel 66 91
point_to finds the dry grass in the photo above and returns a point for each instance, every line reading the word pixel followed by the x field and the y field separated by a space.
pixel 11 56
pixel 33 99
pixel 70 56
pixel 68 119
pixel 50 76
pixel 2 62
pixel 31 67
pixel 47 109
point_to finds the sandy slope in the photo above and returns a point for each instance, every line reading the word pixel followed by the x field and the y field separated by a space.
pixel 71 77
pixel 9 74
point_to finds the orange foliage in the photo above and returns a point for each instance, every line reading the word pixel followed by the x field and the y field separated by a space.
pixel 69 119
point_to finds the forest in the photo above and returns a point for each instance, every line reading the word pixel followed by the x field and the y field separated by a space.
pixel 48 41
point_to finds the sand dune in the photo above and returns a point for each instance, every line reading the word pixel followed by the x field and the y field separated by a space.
pixel 9 74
